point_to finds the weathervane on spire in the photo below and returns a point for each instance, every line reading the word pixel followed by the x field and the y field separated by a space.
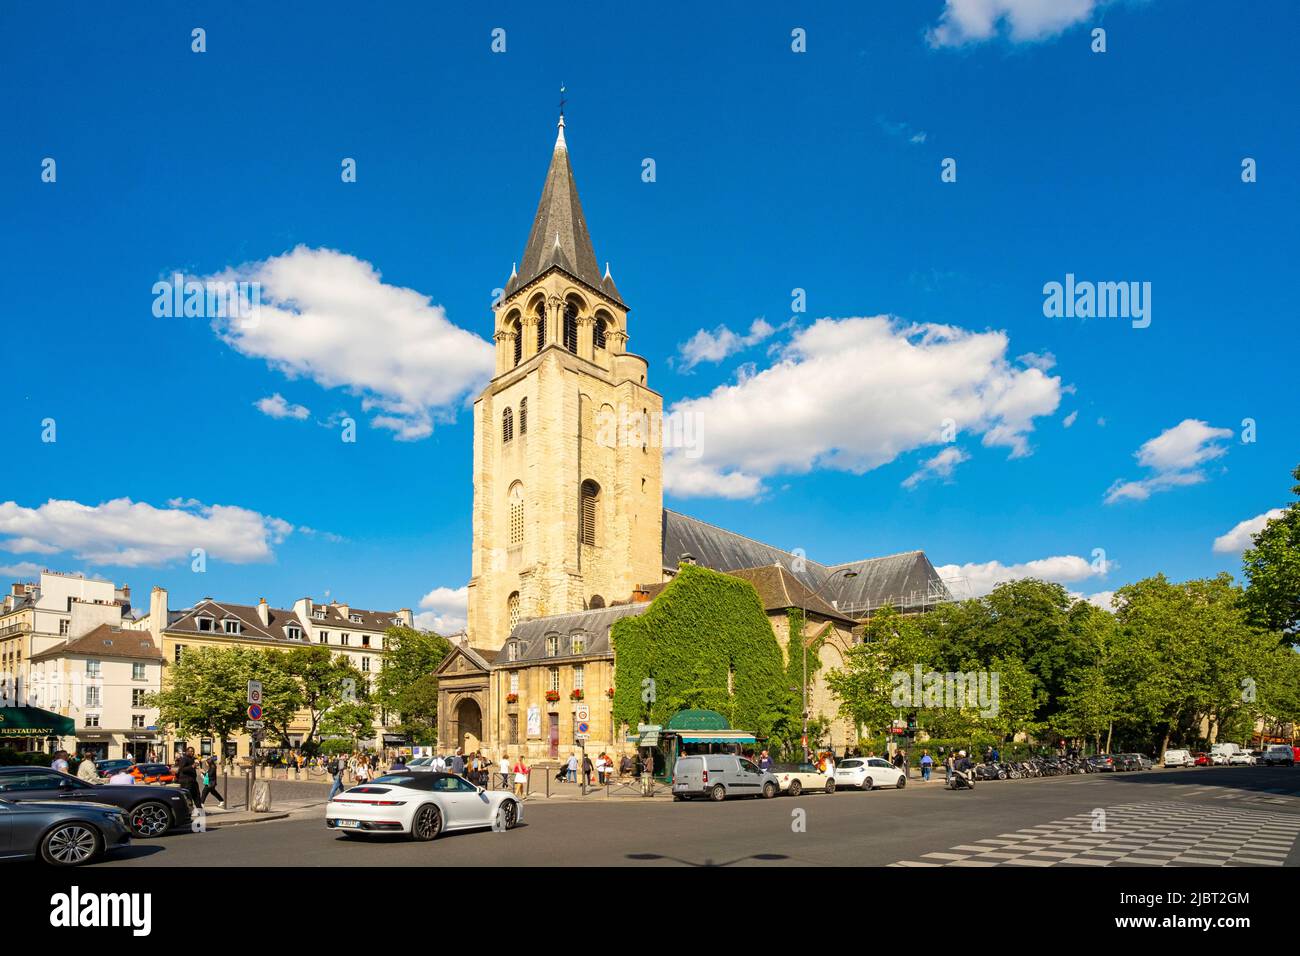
pixel 562 99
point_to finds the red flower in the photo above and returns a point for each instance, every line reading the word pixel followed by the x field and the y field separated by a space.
pixel 575 695
pixel 512 698
pixel 610 693
pixel 552 695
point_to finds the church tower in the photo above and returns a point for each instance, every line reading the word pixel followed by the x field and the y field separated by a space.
pixel 568 469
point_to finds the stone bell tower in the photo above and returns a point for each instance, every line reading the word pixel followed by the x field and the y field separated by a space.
pixel 568 472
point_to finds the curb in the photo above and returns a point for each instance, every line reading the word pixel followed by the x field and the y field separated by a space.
pixel 260 818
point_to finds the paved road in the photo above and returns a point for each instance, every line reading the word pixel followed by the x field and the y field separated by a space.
pixel 1241 816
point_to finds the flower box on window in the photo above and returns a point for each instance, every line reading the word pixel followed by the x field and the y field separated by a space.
pixel 610 693
pixel 552 695
pixel 575 695
pixel 512 698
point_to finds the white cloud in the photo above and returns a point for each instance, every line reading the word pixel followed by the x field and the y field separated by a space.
pixel 716 345
pixel 1069 419
pixel 973 21
pixel 1101 599
pixel 445 610
pixel 1043 361
pixel 851 395
pixel 940 466
pixel 979 579
pixel 1174 456
pixel 127 533
pixel 25 570
pixel 1243 533
pixel 276 406
pixel 329 317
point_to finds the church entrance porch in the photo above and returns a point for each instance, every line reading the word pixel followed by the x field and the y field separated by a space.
pixel 467 725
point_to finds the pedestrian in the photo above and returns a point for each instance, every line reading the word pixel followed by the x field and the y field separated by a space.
pixel 210 782
pixel 60 761
pixel 927 763
pixel 87 770
pixel 363 771
pixel 571 771
pixel 586 768
pixel 335 769
pixel 829 767
pixel 503 768
pixel 648 773
pixel 398 764
pixel 947 770
pixel 765 762
pixel 521 777
pixel 458 763
pixel 122 778
pixel 625 765
pixel 187 775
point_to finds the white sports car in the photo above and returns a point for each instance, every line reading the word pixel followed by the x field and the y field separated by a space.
pixel 795 778
pixel 867 773
pixel 421 805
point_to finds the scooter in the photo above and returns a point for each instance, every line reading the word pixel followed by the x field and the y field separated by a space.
pixel 962 780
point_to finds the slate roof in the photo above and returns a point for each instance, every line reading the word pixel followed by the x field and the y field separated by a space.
pixel 906 580
pixel 278 619
pixel 370 620
pixel 107 641
pixel 594 625
pixel 559 234
pixel 778 589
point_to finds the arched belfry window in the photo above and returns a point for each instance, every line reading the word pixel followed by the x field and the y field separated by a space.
pixel 507 425
pixel 523 416
pixel 601 327
pixel 541 327
pixel 518 332
pixel 516 514
pixel 588 511
pixel 512 608
pixel 571 327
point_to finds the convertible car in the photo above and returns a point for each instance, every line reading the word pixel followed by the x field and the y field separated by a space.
pixel 421 805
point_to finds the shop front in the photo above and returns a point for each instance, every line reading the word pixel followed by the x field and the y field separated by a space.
pixel 690 732
pixel 31 728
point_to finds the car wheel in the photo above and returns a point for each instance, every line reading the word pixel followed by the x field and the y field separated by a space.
pixel 427 823
pixel 830 786
pixel 149 819
pixel 718 793
pixel 902 781
pixel 507 815
pixel 770 790
pixel 867 784
pixel 796 788
pixel 71 844
pixel 677 797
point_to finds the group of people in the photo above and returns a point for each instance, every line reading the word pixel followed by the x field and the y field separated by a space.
pixel 597 772
pixel 196 777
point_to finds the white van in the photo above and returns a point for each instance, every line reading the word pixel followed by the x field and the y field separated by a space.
pixel 1179 758
pixel 719 776
pixel 1280 754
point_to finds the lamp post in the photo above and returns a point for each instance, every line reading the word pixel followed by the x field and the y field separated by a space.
pixel 803 646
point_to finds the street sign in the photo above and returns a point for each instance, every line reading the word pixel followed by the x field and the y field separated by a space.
pixel 255 712
pixel 581 713
pixel 255 724
pixel 254 691
pixel 584 729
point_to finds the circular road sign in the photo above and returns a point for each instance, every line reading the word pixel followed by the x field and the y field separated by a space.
pixel 584 727
pixel 254 711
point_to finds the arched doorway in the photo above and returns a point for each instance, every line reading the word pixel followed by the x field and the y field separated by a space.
pixel 469 725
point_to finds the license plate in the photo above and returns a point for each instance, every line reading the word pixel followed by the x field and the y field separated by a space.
pixel 679 786
pixel 348 824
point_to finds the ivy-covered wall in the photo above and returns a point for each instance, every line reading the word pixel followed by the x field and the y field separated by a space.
pixel 705 641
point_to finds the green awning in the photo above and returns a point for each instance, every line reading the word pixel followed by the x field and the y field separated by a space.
pixel 719 737
pixel 34 722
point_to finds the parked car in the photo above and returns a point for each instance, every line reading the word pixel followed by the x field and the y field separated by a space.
pixel 1179 758
pixel 60 832
pixel 153 773
pixel 867 773
pixel 719 776
pixel 1103 763
pixel 1280 755
pixel 1203 759
pixel 106 768
pixel 1143 761
pixel 1242 758
pixel 795 778
pixel 150 811
pixel 422 806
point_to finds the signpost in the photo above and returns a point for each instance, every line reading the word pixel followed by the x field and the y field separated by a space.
pixel 581 730
pixel 254 724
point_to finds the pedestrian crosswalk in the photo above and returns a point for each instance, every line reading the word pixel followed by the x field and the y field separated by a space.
pixel 1136 834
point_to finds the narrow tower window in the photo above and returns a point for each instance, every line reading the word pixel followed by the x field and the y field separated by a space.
pixel 519 341
pixel 512 608
pixel 571 327
pixel 587 513
pixel 516 514
pixel 507 425
pixel 523 416
pixel 541 328
pixel 600 333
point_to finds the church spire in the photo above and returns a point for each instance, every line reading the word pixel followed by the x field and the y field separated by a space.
pixel 559 235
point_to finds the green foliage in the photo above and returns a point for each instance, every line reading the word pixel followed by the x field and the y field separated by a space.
pixel 704 641
pixel 406 684
pixel 24 758
pixel 206 692
pixel 1272 569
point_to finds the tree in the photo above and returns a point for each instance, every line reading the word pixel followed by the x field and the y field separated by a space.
pixel 1272 569
pixel 350 718
pixel 411 657
pixel 324 682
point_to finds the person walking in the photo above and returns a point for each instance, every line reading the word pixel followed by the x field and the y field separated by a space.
pixel 122 778
pixel 648 773
pixel 335 769
pixel 947 770
pixel 60 761
pixel 927 764
pixel 625 766
pixel 363 771
pixel 571 773
pixel 187 775
pixel 87 771
pixel 458 763
pixel 521 777
pixel 586 769
pixel 210 782
pixel 503 768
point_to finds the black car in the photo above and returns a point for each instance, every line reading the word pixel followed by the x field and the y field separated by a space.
pixel 62 833
pixel 150 811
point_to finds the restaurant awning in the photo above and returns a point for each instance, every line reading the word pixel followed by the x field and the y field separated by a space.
pixel 34 722
pixel 719 737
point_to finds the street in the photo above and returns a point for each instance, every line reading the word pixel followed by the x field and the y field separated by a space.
pixel 1216 816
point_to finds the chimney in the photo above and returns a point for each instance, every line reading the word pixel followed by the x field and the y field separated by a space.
pixel 263 612
pixel 640 595
pixel 406 617
pixel 157 614
pixel 344 610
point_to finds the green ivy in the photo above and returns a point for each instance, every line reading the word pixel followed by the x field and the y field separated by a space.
pixel 702 628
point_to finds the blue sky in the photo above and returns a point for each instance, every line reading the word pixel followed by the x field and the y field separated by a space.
pixel 775 170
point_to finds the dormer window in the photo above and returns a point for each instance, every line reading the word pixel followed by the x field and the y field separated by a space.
pixel 295 633
pixel 553 646
pixel 232 627
pixel 512 651
pixel 205 623
pixel 578 644
pixel 319 614
pixel 354 618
